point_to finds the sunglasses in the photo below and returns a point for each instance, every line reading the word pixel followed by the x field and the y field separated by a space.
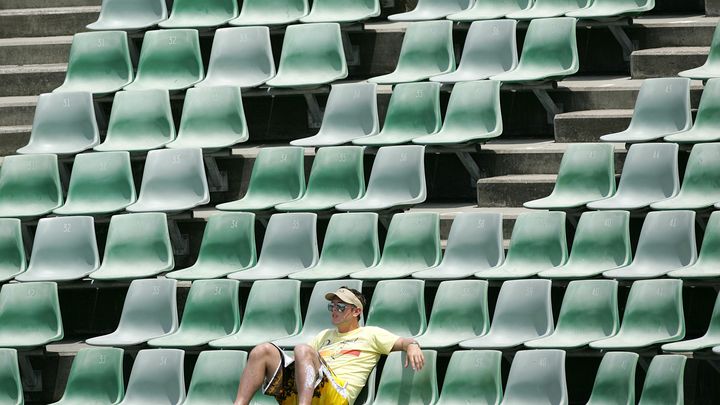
pixel 340 307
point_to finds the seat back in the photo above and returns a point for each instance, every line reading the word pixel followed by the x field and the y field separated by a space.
pixel 490 46
pixel 100 182
pixel 273 309
pixel 550 44
pixel 414 109
pixel 602 240
pixel 257 9
pixel 121 14
pixel 157 377
pixel 212 305
pixel 212 118
pixel 399 384
pixel 473 376
pixel 523 308
pixel 537 377
pixel 290 240
pixel 399 171
pixel 538 238
pixel 615 380
pixel 664 381
pixel 312 48
pixel 590 307
pixel 399 307
pixel 96 376
pixel 587 169
pixel 427 44
pixel 31 311
pixel 474 109
pixel 662 106
pixel 651 169
pixel 170 58
pixel 278 172
pixel 351 112
pixel 32 181
pixel 10 384
pixel 228 241
pixel 475 241
pixel 99 62
pixel 714 326
pixel 150 307
pixel 342 11
pixel 655 307
pixel 139 120
pixel 413 239
pixel 337 171
pixel 12 249
pixel 460 306
pixel 668 238
pixel 708 112
pixel 215 377
pixel 214 12
pixel 351 239
pixel 710 249
pixel 241 56
pixel 702 172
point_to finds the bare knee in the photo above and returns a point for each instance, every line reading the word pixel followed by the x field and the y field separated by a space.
pixel 305 352
pixel 263 350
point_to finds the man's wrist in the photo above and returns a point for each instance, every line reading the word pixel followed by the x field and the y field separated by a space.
pixel 412 343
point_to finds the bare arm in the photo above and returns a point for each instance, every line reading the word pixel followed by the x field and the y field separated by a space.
pixel 415 357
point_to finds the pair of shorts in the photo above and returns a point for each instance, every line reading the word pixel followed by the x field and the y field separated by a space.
pixel 329 389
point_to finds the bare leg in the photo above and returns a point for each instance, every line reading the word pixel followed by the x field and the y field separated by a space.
pixel 307 367
pixel 262 363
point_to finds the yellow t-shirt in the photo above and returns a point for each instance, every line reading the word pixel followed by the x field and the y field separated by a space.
pixel 353 355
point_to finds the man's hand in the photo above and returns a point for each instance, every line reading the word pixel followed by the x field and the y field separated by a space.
pixel 414 357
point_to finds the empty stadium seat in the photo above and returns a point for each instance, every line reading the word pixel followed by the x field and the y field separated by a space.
pixel 666 243
pixel 710 339
pixel 472 377
pixel 278 176
pixel 488 10
pixel 211 312
pixel 206 14
pixel 351 112
pixel 64 249
pixel 537 377
pixel 149 311
pixel 261 12
pixel 228 245
pixel 351 244
pixel 707 264
pixel 710 68
pixel 427 51
pixel 611 9
pixel 653 314
pixel 337 176
pixel 169 60
pixel 459 312
pixel 664 382
pixel 173 180
pixel 601 243
pixel 701 184
pixel 412 244
pixel 64 124
pixel 29 315
pixel 212 118
pixel 432 10
pixel 399 384
pixel 413 111
pixel 662 108
pixel 317 317
pixel 137 246
pixel 99 63
pixel 548 53
pixel 100 183
pixel 397 179
pixel 272 312
pixel 157 377
pixel 615 380
pixel 705 127
pixel 241 57
pixel 312 55
pixel 96 376
pixel 650 174
pixel 399 307
pixel 11 388
pixel 587 174
pixel 589 312
pixel 523 312
pixel 29 186
pixel 342 11
pixel 289 245
pixel 475 242
pixel 548 9
pixel 538 243
pixel 130 15
pixel 12 249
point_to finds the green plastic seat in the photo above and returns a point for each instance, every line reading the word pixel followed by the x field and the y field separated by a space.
pixel 274 12
pixel 29 186
pixel 710 339
pixel 612 9
pixel 149 311
pixel 707 264
pixel 173 180
pixel 169 60
pixel 662 108
pixel 664 383
pixel 401 385
pixel 653 314
pixel 240 57
pixel 705 128
pixel 472 377
pixel 459 312
pixel 278 176
pixel 11 390
pixel 312 55
pixel 228 245
pixel 412 244
pixel 96 377
pixel 432 10
pixel 272 312
pixel 29 315
pixel 414 111
pixel 215 377
pixel 711 67
pixel 157 377
pixel 138 246
pixel 12 249
pixel 100 183
pixel 475 242
pixel 140 120
pixel 589 312
pixel 601 243
pixel 64 124
pixel 548 53
pixel 427 51
pixel 666 243
pixel 211 312
pixel 342 11
pixel 399 307
pixel 537 377
pixel 701 183
pixel 473 115
pixel 64 249
pixel 351 112
pixel 351 244
pixel 523 312
pixel 205 14
pixel 317 317
pixel 397 180
pixel 337 176
pixel 99 63
pixel 490 9
pixel 212 118
pixel 615 380
pixel 650 174
pixel 548 9
pixel 289 245
pixel 587 174
pixel 538 243
pixel 129 15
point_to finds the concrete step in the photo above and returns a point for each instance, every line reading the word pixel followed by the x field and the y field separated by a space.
pixel 513 190
pixel 31 80
pixel 12 138
pixel 16 4
pixel 667 31
pixel 46 22
pixel 590 125
pixel 666 62
pixel 33 51
pixel 17 110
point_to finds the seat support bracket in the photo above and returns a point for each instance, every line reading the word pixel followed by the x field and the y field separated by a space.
pixel 625 42
pixel 217 180
pixel 315 113
pixel 352 53
pixel 180 242
pixel 31 379
pixel 471 166
pixel 548 104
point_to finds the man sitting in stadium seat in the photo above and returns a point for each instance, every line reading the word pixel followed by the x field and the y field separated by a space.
pixel 332 368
